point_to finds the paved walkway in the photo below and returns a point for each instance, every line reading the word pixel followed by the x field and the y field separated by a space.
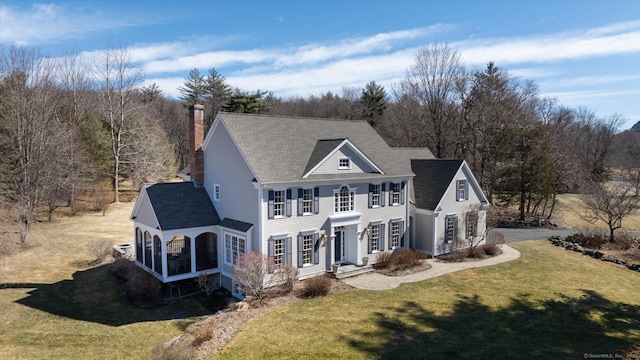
pixel 375 281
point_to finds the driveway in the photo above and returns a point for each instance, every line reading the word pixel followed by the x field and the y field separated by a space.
pixel 515 235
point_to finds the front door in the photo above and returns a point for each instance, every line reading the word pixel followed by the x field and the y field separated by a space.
pixel 340 245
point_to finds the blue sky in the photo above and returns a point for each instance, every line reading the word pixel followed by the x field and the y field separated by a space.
pixel 585 53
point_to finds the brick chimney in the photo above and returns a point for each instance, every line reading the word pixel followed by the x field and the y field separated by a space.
pixel 196 138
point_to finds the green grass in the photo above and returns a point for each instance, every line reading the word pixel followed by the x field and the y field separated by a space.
pixel 550 303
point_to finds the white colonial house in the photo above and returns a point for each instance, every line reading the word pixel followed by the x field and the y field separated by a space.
pixel 307 192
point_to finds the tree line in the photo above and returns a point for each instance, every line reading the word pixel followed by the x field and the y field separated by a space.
pixel 68 128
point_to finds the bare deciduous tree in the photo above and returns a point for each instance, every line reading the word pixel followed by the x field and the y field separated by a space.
pixel 610 203
pixel 433 80
pixel 252 275
pixel 29 129
pixel 119 81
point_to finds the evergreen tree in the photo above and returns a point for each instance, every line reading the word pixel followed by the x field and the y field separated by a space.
pixel 374 102
pixel 194 87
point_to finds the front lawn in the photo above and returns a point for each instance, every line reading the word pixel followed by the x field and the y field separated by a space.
pixel 550 303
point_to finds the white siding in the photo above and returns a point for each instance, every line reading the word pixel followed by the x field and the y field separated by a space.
pixel 224 165
pixel 292 226
pixel 331 165
pixel 144 213
pixel 450 206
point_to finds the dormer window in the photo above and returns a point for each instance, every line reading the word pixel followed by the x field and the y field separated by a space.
pixel 344 163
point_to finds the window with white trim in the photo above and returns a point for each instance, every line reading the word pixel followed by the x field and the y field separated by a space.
pixel 278 252
pixel 471 225
pixel 344 163
pixel 463 190
pixel 450 228
pixel 376 194
pixel 307 249
pixel 216 192
pixel 307 201
pixel 395 234
pixel 279 203
pixel 234 246
pixel 344 199
pixel 376 238
pixel 395 193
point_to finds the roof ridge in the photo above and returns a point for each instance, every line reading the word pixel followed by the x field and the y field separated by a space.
pixel 294 117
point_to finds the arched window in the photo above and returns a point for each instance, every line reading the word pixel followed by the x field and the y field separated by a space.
pixel 157 254
pixel 344 199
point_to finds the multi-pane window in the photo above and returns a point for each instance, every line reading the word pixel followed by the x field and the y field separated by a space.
pixel 279 203
pixel 307 201
pixel 216 192
pixel 344 200
pixel 472 224
pixel 395 234
pixel 450 225
pixel 278 252
pixel 395 193
pixel 344 163
pixel 375 195
pixel 234 246
pixel 307 249
pixel 463 189
pixel 374 238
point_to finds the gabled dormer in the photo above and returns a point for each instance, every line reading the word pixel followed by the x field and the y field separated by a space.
pixel 339 156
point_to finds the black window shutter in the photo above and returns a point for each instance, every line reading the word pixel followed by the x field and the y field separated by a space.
pixel 316 200
pixel 402 192
pixel 370 195
pixel 390 194
pixel 382 190
pixel 455 227
pixel 299 250
pixel 402 233
pixel 300 195
pixel 316 249
pixel 288 202
pixel 390 236
pixel 466 189
pixel 271 248
pixel 381 241
pixel 369 250
pixel 270 212
pixel 287 249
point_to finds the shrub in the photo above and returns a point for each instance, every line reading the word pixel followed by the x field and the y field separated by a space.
pixel 122 269
pixel 592 240
pixel 492 243
pixel 624 242
pixel 480 252
pixel 316 286
pixel 383 260
pixel 404 258
pixel 100 249
pixel 143 289
pixel 289 275
pixel 202 334
pixel 179 351
pixel 252 274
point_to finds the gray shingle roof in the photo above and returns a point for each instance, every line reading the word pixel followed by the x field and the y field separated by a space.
pixel 322 149
pixel 279 148
pixel 432 179
pixel 235 224
pixel 181 205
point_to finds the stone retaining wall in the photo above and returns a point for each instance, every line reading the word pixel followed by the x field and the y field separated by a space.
pixel 596 254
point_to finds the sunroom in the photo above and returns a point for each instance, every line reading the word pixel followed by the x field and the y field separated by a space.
pixel 176 236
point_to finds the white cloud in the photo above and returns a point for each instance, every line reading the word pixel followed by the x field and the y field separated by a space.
pixel 43 23
pixel 615 39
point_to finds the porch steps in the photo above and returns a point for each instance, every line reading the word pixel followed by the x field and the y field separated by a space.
pixel 346 271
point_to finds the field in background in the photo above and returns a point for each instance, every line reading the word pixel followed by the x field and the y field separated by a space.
pixel 571 211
